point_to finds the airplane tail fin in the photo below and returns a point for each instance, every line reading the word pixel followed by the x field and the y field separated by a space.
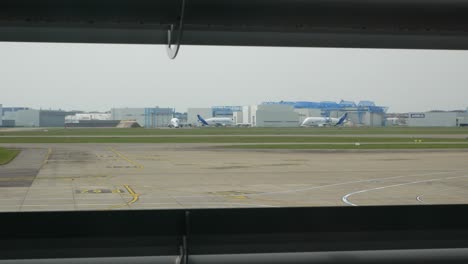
pixel 203 121
pixel 342 119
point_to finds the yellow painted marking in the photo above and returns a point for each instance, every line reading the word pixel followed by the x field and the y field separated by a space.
pixel 139 166
pixel 134 195
pixel 239 197
pixel 49 152
pixel 106 191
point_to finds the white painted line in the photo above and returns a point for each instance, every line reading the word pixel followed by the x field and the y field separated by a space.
pixel 321 186
pixel 345 198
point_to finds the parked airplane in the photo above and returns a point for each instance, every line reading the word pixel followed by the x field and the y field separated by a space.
pixel 324 121
pixel 174 123
pixel 215 121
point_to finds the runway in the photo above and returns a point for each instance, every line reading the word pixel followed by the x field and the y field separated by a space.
pixel 152 176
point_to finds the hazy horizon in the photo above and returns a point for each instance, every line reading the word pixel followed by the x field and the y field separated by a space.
pixel 93 77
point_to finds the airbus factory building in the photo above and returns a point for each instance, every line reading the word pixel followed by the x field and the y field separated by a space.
pixel 37 118
pixel 438 119
pixel 149 117
pixel 292 114
pixel 267 114
pixel 363 113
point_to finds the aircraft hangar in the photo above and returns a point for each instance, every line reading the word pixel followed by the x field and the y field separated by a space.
pixel 293 113
pixel 363 113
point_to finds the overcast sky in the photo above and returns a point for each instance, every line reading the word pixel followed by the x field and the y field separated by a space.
pixel 99 77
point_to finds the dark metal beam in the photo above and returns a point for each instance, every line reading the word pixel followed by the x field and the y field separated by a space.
pixel 34 235
pixel 419 24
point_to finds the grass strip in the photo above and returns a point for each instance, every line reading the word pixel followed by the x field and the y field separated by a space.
pixel 7 155
pixel 237 131
pixel 227 139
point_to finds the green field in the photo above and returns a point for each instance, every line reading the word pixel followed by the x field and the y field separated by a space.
pixel 7 155
pixel 258 138
pixel 231 131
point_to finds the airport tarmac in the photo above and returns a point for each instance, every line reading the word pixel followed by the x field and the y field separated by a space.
pixel 152 176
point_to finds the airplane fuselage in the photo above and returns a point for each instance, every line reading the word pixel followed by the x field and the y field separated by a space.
pixel 219 121
pixel 215 121
pixel 323 121
pixel 319 121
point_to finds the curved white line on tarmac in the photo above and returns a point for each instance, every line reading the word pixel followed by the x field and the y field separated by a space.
pixel 419 199
pixel 321 186
pixel 345 198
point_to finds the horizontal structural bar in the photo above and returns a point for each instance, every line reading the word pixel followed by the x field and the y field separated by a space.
pixel 427 256
pixel 81 234
pixel 412 24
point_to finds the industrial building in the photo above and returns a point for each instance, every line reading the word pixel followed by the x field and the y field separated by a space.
pixel 225 111
pixel 438 119
pixel 291 114
pixel 238 118
pixel 396 119
pixel 248 115
pixel 12 109
pixel 268 115
pixel 90 120
pixel 364 113
pixel 150 117
pixel 463 119
pixel 38 118
pixel 7 115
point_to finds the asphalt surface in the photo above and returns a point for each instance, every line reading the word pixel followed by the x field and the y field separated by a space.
pixel 151 176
